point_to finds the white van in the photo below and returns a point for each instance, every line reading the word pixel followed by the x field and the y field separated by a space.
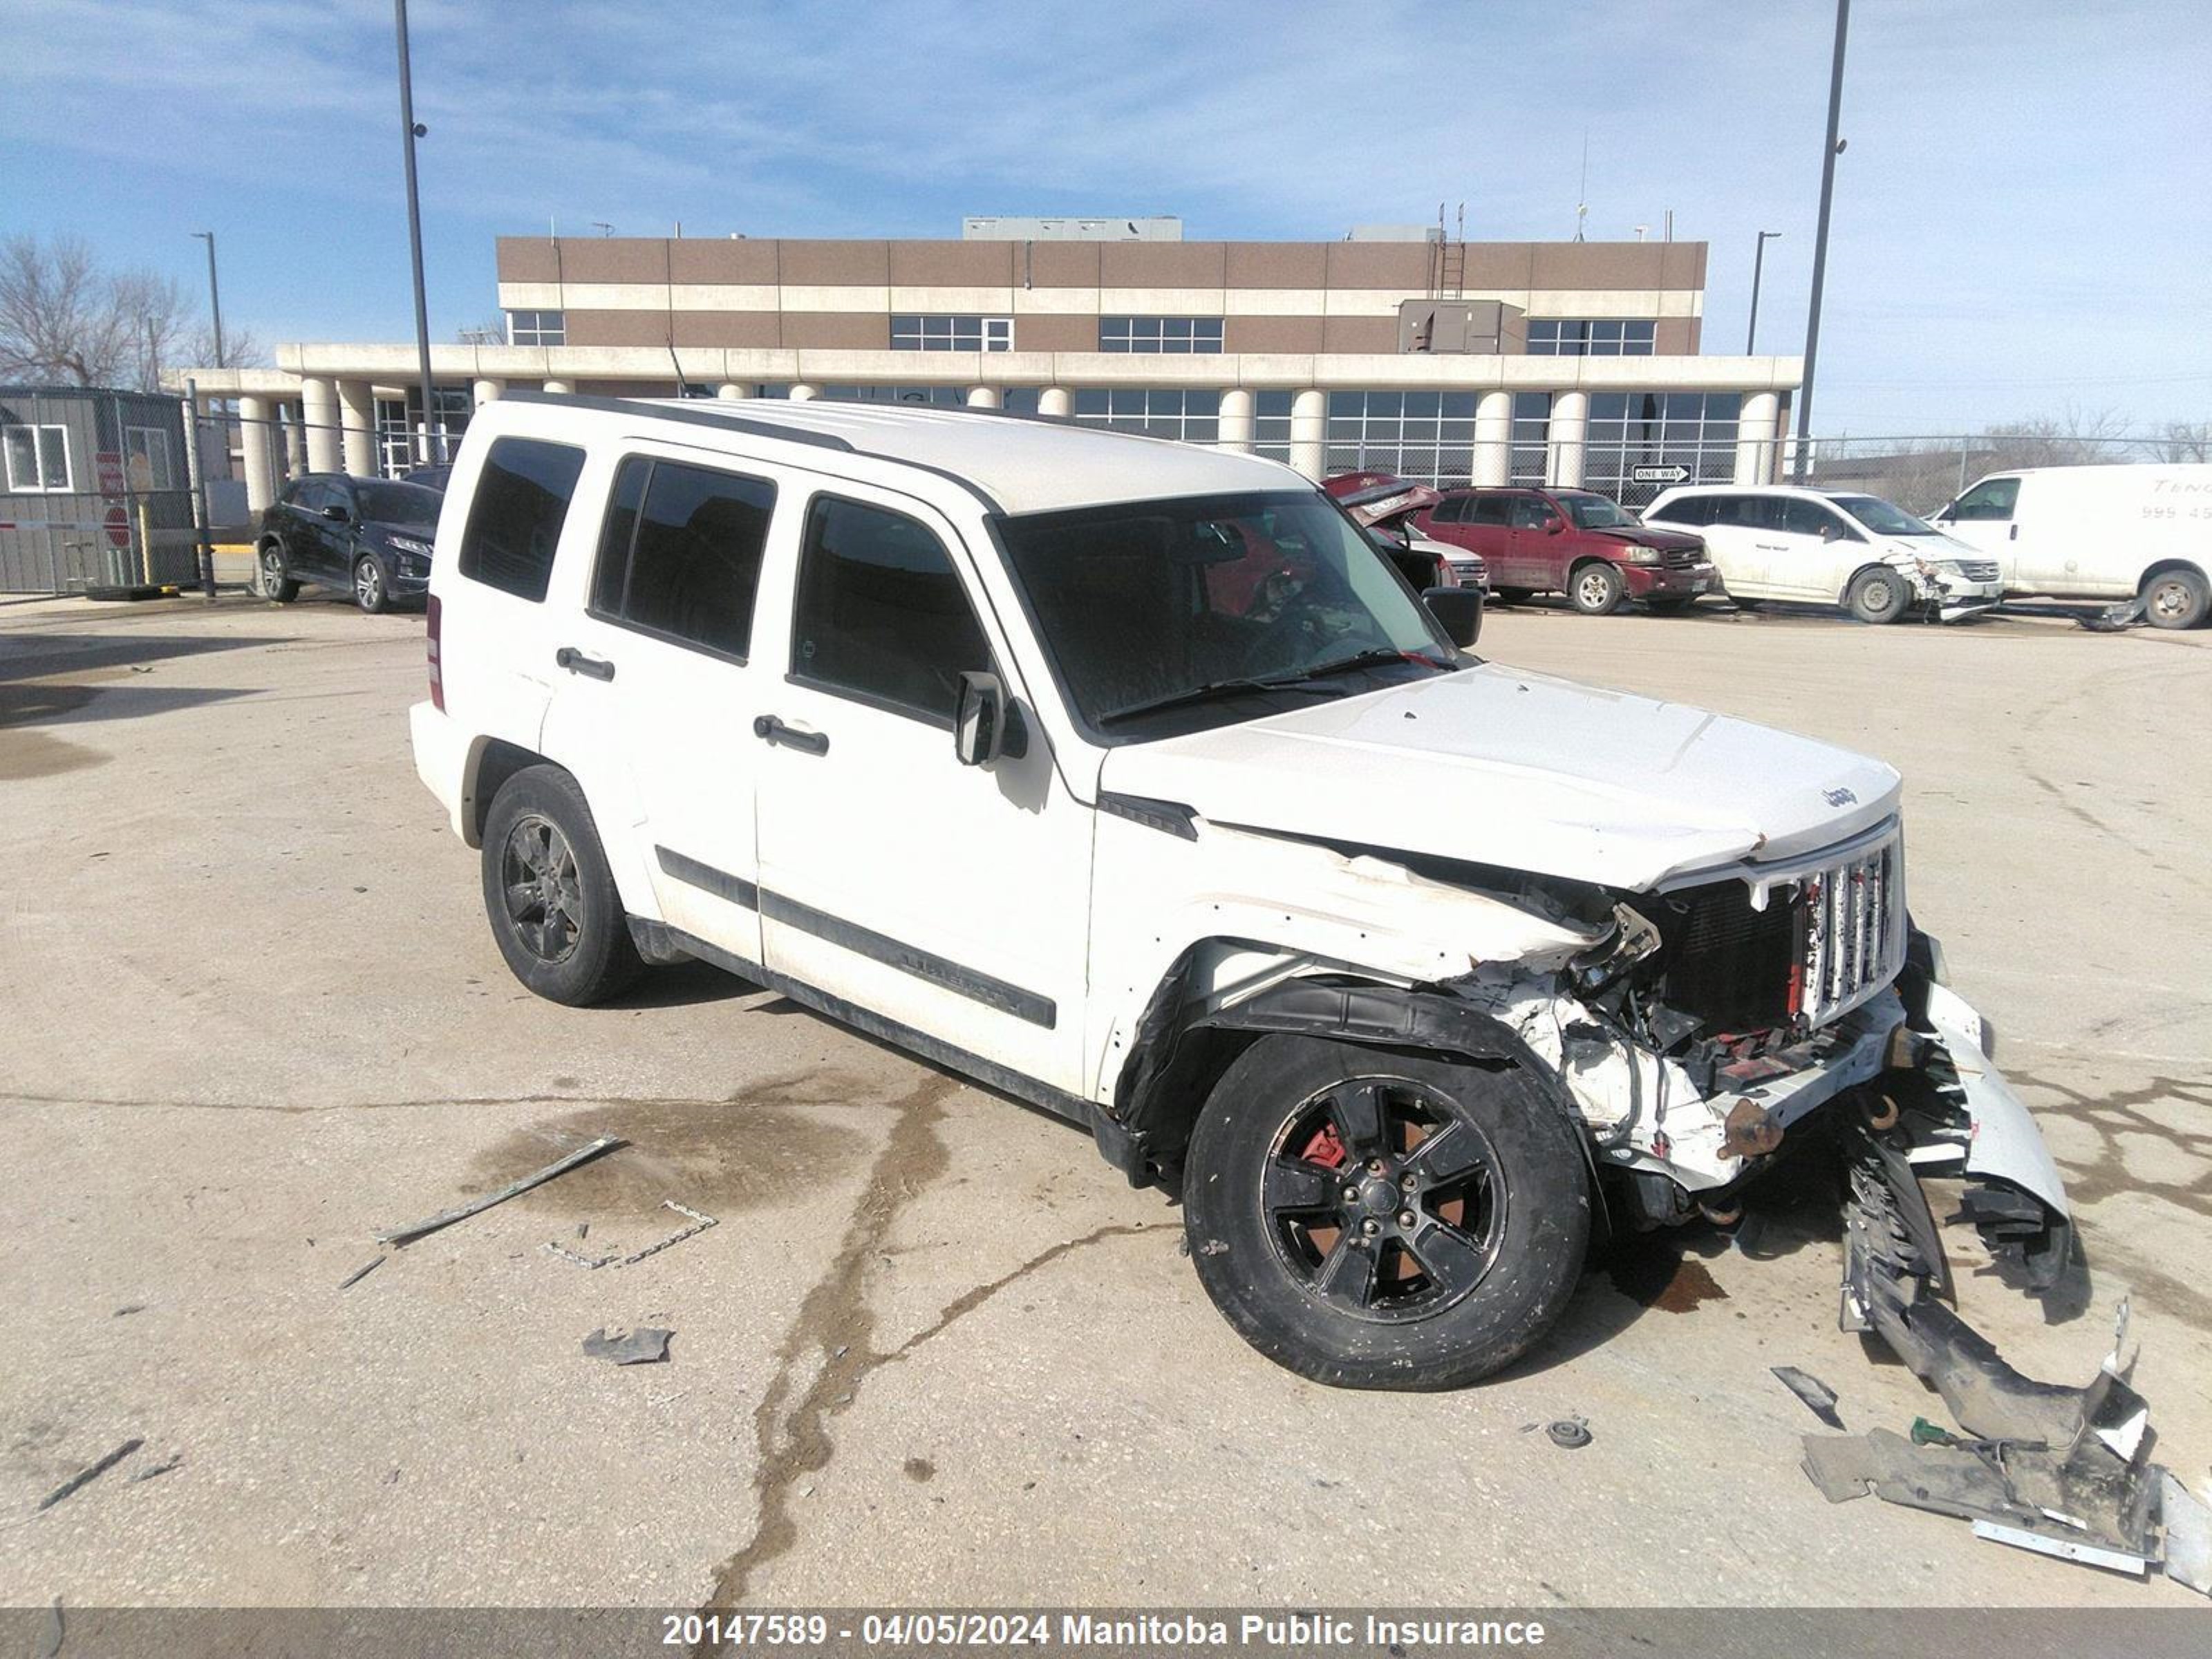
pixel 2097 532
pixel 1132 779
pixel 1816 547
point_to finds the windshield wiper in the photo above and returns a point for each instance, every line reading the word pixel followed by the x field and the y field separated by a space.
pixel 1212 689
pixel 1376 658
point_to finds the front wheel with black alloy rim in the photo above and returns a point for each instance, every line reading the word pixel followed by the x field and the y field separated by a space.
pixel 1379 1218
pixel 369 591
pixel 549 894
pixel 1879 595
pixel 276 586
pixel 2176 599
pixel 1597 590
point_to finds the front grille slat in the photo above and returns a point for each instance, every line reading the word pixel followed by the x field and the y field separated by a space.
pixel 1854 938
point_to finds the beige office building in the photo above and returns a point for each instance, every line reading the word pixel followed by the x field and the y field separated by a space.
pixel 1569 362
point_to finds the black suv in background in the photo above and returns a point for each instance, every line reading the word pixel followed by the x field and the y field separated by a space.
pixel 370 536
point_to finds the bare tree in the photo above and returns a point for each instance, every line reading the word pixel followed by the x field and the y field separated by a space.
pixel 2076 437
pixel 2187 441
pixel 61 318
pixel 490 331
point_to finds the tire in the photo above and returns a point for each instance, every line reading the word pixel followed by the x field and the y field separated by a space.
pixel 1596 589
pixel 538 843
pixel 276 586
pixel 1879 595
pixel 370 591
pixel 1465 1278
pixel 2176 599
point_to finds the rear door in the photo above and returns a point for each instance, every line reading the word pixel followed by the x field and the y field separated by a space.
pixel 1984 519
pixel 1535 550
pixel 1735 533
pixel 952 900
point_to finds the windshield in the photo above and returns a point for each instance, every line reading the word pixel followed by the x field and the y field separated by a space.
pixel 1882 518
pixel 397 503
pixel 1164 602
pixel 1596 513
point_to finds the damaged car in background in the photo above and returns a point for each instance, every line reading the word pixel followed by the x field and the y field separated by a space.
pixel 1414 973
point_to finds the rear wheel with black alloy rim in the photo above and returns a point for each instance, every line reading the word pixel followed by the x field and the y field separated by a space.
pixel 1376 1219
pixel 1878 595
pixel 275 584
pixel 2176 599
pixel 369 591
pixel 1597 590
pixel 549 894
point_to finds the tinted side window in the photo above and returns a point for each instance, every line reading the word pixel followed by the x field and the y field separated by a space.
pixel 1529 513
pixel 1802 517
pixel 1688 509
pixel 1447 511
pixel 1491 509
pixel 881 611
pixel 522 497
pixel 687 564
pixel 1991 499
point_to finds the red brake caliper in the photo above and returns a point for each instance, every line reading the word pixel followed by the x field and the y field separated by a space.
pixel 1325 1149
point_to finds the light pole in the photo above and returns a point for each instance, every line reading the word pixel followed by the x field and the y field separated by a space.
pixel 215 294
pixel 1821 242
pixel 409 132
pixel 1758 263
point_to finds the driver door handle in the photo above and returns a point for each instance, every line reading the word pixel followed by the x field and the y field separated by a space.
pixel 576 662
pixel 772 731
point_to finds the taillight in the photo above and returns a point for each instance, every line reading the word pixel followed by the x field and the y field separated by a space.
pixel 437 616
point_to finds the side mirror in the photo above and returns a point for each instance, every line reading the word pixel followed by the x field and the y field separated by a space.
pixel 1555 526
pixel 986 724
pixel 337 514
pixel 1458 611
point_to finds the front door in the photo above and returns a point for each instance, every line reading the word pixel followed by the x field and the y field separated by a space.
pixel 1810 552
pixel 951 900
pixel 1984 518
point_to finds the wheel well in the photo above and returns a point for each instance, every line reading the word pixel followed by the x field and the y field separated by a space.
pixel 495 762
pixel 1586 561
pixel 1869 568
pixel 2167 567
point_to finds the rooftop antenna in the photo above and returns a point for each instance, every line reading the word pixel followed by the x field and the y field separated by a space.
pixel 602 228
pixel 1670 224
pixel 1582 201
pixel 1640 230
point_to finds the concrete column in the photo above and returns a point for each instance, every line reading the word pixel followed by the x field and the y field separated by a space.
pixel 254 415
pixel 1493 438
pixel 803 392
pixel 1754 440
pixel 319 416
pixel 1570 420
pixel 983 396
pixel 358 415
pixel 487 391
pixel 558 385
pixel 296 442
pixel 1055 400
pixel 1237 420
pixel 1310 433
pixel 731 390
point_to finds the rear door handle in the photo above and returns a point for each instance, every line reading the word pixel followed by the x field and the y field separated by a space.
pixel 576 662
pixel 771 730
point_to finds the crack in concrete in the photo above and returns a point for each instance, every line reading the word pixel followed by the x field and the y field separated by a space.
pixel 834 1321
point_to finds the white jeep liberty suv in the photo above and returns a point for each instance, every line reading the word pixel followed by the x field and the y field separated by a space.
pixel 1128 778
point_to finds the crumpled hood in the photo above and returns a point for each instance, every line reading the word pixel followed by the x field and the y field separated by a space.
pixel 1645 536
pixel 1499 766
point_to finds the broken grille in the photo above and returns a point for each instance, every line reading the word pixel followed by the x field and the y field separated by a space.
pixel 1851 920
pixel 1978 570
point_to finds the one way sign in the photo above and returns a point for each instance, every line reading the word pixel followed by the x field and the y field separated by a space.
pixel 1660 474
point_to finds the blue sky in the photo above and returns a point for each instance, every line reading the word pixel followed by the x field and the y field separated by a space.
pixel 2022 222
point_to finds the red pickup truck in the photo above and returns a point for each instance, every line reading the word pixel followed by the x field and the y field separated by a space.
pixel 1575 542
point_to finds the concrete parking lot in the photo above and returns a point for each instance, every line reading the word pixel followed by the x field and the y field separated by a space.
pixel 935 1349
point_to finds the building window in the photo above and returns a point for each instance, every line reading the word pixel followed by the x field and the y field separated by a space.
pixel 1271 424
pixel 396 419
pixel 1179 335
pixel 1693 431
pixel 1532 428
pixel 1022 399
pixel 943 395
pixel 38 459
pixel 1193 417
pixel 1427 436
pixel 1589 337
pixel 146 460
pixel 952 334
pixel 537 328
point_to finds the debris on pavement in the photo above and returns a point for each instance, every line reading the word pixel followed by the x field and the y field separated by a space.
pixel 1820 1399
pixel 161 1467
pixel 86 1476
pixel 361 1273
pixel 646 1346
pixel 408 1234
pixel 2113 619
pixel 699 1225
pixel 1571 1433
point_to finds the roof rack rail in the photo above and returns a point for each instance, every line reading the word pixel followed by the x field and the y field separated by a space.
pixel 662 411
